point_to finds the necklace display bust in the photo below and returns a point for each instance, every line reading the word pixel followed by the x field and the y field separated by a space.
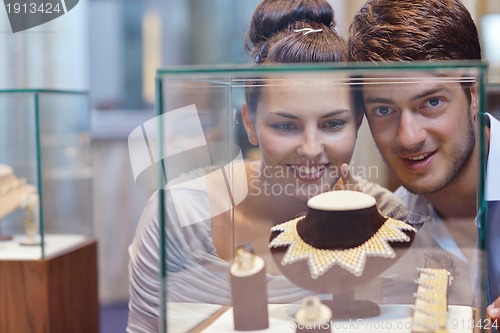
pixel 341 242
pixel 12 189
pixel 13 192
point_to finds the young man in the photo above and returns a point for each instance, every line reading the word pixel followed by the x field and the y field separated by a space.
pixel 427 133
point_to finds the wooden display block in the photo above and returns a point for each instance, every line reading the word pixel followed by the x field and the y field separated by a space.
pixel 55 295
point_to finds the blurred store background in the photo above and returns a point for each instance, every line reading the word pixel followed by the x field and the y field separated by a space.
pixel 112 49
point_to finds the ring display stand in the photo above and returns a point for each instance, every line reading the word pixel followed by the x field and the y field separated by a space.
pixel 249 290
pixel 313 316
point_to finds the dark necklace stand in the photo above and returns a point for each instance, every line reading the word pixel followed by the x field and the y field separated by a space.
pixel 340 230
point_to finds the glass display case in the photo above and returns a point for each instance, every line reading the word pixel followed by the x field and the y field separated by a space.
pixel 45 171
pixel 48 254
pixel 280 174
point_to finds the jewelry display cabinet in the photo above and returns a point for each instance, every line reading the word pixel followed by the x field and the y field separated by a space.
pixel 241 157
pixel 48 255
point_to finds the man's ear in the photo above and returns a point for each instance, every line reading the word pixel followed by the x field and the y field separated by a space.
pixel 249 123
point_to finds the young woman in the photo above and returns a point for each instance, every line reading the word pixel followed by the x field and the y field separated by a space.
pixel 306 131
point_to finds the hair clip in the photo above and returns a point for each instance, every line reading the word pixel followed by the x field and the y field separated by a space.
pixel 306 31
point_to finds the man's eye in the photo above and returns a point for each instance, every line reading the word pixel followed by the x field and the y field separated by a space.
pixel 434 101
pixel 382 110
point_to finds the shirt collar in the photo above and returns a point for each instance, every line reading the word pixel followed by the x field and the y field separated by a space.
pixel 492 187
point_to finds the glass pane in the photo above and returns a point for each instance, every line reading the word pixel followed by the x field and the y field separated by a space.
pixel 45 172
pixel 254 156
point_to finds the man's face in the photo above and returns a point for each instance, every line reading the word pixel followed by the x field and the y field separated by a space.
pixel 424 129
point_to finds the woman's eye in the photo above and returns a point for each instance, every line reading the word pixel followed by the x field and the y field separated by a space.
pixel 334 124
pixel 283 127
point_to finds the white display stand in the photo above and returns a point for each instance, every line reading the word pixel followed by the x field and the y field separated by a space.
pixel 392 318
pixel 54 244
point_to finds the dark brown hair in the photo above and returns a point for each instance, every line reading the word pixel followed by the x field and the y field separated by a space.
pixel 413 30
pixel 272 37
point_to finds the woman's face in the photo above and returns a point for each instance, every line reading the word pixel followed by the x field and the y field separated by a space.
pixel 306 129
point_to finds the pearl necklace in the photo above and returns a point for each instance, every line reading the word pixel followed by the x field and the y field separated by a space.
pixel 352 260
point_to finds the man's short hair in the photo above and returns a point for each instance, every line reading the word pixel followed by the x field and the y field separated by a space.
pixel 413 30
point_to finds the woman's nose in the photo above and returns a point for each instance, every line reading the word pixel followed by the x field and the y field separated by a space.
pixel 311 144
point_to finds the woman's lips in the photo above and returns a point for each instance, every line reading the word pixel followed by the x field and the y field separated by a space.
pixel 308 173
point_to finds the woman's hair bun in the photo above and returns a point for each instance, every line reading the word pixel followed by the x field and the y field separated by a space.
pixel 272 16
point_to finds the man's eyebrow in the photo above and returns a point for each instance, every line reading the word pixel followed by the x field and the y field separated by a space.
pixel 428 93
pixel 423 94
pixel 380 100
